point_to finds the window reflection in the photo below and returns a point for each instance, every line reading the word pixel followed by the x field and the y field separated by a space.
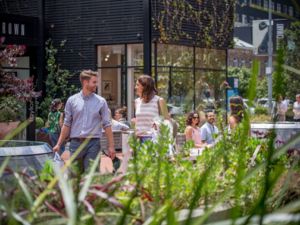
pixel 209 91
pixel 175 75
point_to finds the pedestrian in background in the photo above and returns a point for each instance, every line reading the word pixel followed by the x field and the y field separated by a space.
pixel 55 122
pixel 236 111
pixel 296 108
pixel 192 130
pixel 121 116
pixel 282 107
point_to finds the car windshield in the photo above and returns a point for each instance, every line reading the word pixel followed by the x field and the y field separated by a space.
pixel 262 102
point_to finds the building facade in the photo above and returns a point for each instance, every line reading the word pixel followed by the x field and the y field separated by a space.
pixel 124 39
pixel 251 26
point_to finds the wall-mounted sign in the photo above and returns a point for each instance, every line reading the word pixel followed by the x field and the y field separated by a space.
pixel 19 29
pixel 8 28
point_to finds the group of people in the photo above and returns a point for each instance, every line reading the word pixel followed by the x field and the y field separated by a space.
pixel 86 115
pixel 282 108
pixel 205 135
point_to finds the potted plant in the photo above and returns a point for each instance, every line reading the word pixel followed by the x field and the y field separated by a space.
pixel 14 92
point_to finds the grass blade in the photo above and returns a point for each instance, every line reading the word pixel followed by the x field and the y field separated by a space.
pixel 3 165
pixel 24 188
pixel 88 181
pixel 68 196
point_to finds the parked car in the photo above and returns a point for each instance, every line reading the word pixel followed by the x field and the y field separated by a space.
pixel 175 110
pixel 264 102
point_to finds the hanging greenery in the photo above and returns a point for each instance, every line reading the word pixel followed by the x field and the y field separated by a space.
pixel 57 83
pixel 207 23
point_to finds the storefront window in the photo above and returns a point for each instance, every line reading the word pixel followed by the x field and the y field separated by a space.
pixel 135 55
pixel 110 55
pixel 110 59
pixel 174 75
pixel 182 86
pixel 210 59
pixel 209 90
pixel 174 55
pixel 163 82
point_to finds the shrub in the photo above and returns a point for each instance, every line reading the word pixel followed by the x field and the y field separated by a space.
pixel 10 109
pixel 259 110
pixel 39 123
pixel 14 92
pixel 181 123
pixel 57 83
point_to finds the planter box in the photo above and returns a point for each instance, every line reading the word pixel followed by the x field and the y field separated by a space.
pixel 25 154
pixel 44 137
pixel 7 127
pixel 285 131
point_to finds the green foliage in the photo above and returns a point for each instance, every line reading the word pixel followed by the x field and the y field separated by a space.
pixel 39 122
pixel 10 109
pixel 279 86
pixel 239 171
pixel 47 172
pixel 57 83
pixel 181 120
pixel 262 87
pixel 292 59
pixel 251 93
pixel 155 187
pixel 243 74
pixel 260 110
pixel 173 15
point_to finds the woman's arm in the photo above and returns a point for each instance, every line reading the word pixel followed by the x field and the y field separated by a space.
pixel 188 133
pixel 232 122
pixel 163 108
pixel 189 137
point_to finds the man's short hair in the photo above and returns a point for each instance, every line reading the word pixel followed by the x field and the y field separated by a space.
pixel 87 74
pixel 209 111
pixel 297 95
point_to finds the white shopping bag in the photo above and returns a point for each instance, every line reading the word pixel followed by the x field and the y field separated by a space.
pixel 58 162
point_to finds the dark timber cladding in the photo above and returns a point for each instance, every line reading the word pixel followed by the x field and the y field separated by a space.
pixel 85 24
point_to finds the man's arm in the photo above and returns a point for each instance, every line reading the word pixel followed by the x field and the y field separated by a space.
pixel 164 109
pixel 65 131
pixel 110 139
pixel 106 123
pixel 203 135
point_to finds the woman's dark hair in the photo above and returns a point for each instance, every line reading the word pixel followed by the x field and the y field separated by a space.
pixel 190 117
pixel 237 108
pixel 54 104
pixel 122 111
pixel 149 89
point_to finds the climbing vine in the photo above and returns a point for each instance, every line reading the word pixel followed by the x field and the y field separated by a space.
pixel 57 83
pixel 209 23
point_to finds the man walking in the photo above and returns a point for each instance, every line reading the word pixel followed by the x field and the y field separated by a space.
pixel 84 114
pixel 209 130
